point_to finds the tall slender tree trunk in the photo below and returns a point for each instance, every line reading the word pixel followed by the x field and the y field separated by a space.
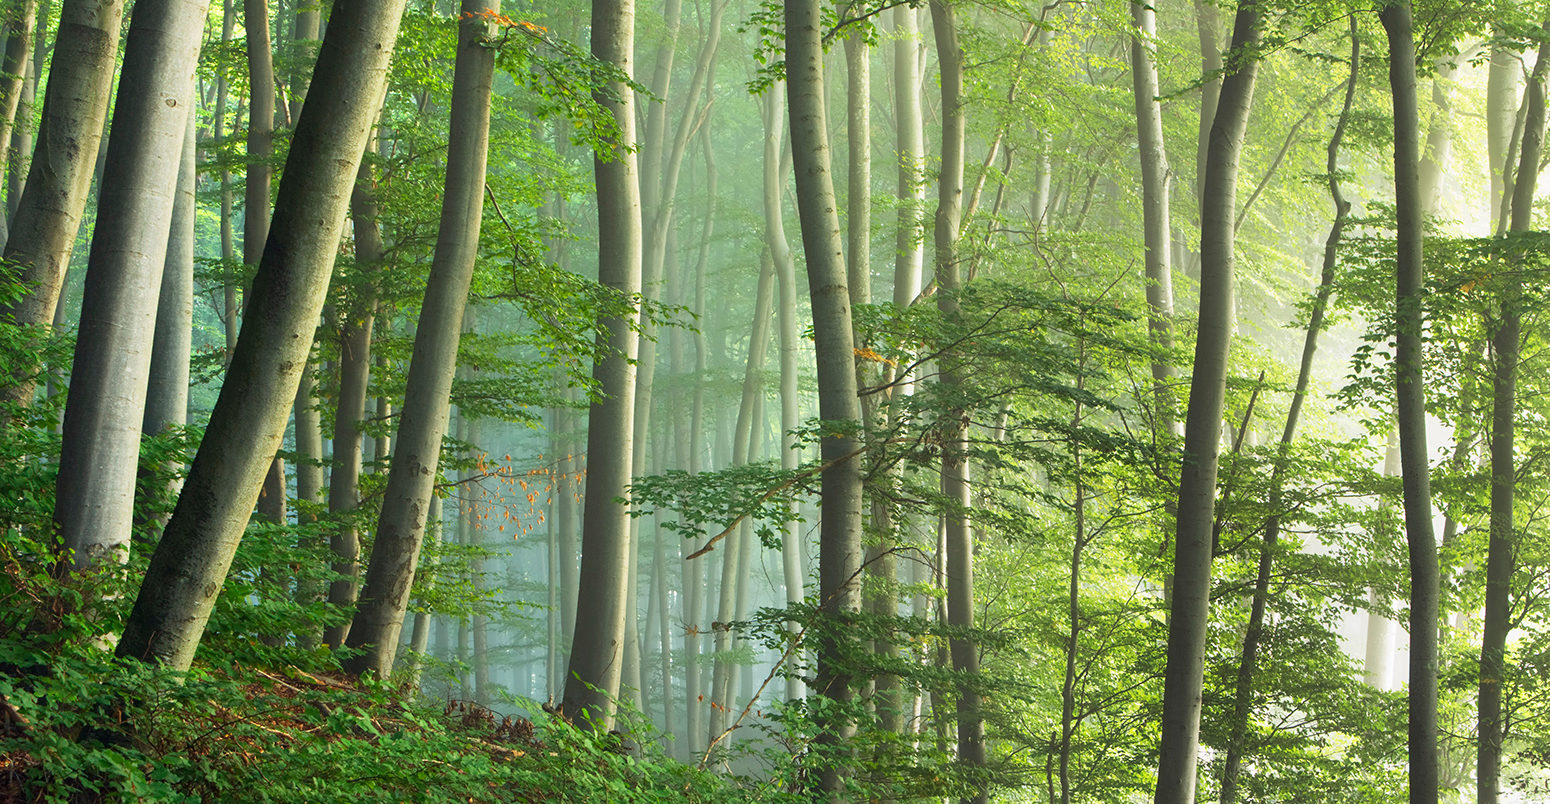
pixel 245 429
pixel 956 488
pixel 839 558
pixel 1249 659
pixel 1156 181
pixel 22 132
pixel 1191 597
pixel 13 79
pixel 166 401
pixel 1411 403
pixel 1506 343
pixel 1501 98
pixel 395 552
pixel 733 580
pixel 592 680
pixel 99 457
pixel 355 359
pixel 48 213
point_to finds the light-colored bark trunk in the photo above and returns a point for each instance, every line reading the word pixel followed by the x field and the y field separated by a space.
pixel 1411 404
pixel 99 457
pixel 1191 594
pixel 1506 344
pixel 48 214
pixel 592 680
pixel 956 480
pixel 22 133
pixel 733 579
pixel 245 429
pixel 839 558
pixel 395 552
pixel 1156 182
pixel 166 401
pixel 1249 656
pixel 1501 98
pixel 13 79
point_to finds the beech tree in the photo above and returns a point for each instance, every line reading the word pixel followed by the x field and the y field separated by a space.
pixel 395 552
pixel 190 562
pixel 597 649
pixel 1191 600
pixel 839 540
pixel 100 454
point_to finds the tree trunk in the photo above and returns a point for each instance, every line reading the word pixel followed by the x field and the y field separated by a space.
pixel 1156 178
pixel 1501 99
pixel 733 579
pixel 1249 659
pixel 99 458
pixel 355 331
pixel 1411 404
pixel 13 78
pixel 1191 595
pixel 395 553
pixel 592 681
pixel 839 537
pixel 22 133
pixel 246 427
pixel 1506 343
pixel 48 213
pixel 166 402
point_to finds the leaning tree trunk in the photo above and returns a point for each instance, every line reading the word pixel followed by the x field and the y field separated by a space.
pixel 1191 599
pixel 401 526
pixel 248 423
pixel 592 680
pixel 13 79
pixel 48 215
pixel 839 538
pixel 1506 342
pixel 1411 408
pixel 100 456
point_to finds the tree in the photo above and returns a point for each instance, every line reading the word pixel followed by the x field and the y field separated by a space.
pixel 1507 345
pixel 1191 601
pixel 49 211
pixel 959 533
pixel 100 456
pixel 423 421
pixel 245 429
pixel 592 680
pixel 839 538
pixel 1410 387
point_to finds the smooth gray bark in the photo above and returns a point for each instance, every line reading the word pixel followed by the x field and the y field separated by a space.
pixel 1156 183
pixel 166 401
pixel 395 552
pixel 1425 765
pixel 956 486
pixel 1191 595
pixel 190 564
pixel 1506 344
pixel 592 681
pixel 839 552
pixel 13 80
pixel 355 360
pixel 99 457
pixel 48 214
